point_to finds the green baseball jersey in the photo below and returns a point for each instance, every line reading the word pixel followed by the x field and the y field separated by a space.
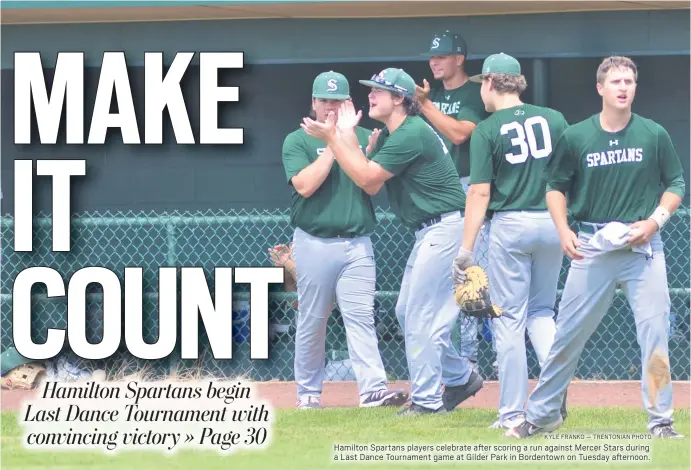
pixel 510 150
pixel 463 104
pixel 614 176
pixel 338 206
pixel 425 183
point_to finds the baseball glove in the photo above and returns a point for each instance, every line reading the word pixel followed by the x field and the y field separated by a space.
pixel 472 294
pixel 24 377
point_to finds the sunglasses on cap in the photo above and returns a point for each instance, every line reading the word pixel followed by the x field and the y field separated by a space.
pixel 380 80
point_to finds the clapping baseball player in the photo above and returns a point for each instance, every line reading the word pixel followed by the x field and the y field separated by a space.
pixel 333 256
pixel 424 192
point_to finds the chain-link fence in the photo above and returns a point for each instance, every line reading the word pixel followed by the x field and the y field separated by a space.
pixel 243 238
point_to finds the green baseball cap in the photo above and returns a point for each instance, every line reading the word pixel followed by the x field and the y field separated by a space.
pixel 498 63
pixel 396 80
pixel 446 43
pixel 331 86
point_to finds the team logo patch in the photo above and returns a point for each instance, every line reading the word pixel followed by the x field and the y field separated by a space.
pixel 332 84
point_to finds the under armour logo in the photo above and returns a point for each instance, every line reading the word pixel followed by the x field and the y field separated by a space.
pixel 613 142
pixel 519 112
pixel 448 97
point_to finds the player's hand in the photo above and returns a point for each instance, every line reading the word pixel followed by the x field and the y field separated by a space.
pixel 372 140
pixel 422 92
pixel 641 231
pixel 570 244
pixel 347 117
pixel 280 254
pixel 323 131
pixel 463 260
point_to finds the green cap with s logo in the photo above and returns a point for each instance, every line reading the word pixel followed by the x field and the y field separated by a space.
pixel 446 43
pixel 331 86
pixel 396 80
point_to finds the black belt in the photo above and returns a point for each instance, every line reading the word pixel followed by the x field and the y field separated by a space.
pixel 435 220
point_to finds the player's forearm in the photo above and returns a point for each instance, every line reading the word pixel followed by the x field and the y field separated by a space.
pixel 349 137
pixel 312 177
pixel 670 201
pixel 351 159
pixel 668 204
pixel 289 267
pixel 476 205
pixel 556 204
pixel 456 131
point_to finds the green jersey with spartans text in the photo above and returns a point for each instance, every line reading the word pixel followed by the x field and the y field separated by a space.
pixel 615 176
pixel 338 207
pixel 425 183
pixel 463 104
pixel 510 150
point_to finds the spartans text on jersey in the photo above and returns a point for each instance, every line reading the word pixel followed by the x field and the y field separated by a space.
pixel 449 108
pixel 611 157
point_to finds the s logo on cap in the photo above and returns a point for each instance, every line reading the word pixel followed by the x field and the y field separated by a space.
pixel 435 43
pixel 332 84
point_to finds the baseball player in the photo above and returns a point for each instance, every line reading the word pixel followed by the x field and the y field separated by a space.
pixel 508 153
pixel 424 192
pixel 611 168
pixel 454 107
pixel 333 257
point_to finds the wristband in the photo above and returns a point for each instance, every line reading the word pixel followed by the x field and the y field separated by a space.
pixel 660 216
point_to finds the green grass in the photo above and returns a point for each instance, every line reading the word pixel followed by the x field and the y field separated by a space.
pixel 304 440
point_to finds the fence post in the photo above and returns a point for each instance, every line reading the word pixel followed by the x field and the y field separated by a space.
pixel 171 238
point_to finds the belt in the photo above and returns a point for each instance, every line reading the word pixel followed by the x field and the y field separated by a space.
pixel 435 220
pixel 590 227
pixel 347 235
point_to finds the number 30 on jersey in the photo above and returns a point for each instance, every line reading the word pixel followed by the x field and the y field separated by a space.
pixel 527 131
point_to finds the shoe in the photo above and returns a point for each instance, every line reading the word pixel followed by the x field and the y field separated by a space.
pixel 309 402
pixel 527 429
pixel 511 423
pixel 385 398
pixel 454 396
pixel 496 425
pixel 415 410
pixel 665 431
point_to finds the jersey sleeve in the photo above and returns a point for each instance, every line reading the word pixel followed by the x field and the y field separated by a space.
pixel 561 166
pixel 670 165
pixel 294 156
pixel 481 163
pixel 363 138
pixel 397 152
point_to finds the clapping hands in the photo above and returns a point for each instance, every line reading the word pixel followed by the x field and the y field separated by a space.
pixel 347 120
